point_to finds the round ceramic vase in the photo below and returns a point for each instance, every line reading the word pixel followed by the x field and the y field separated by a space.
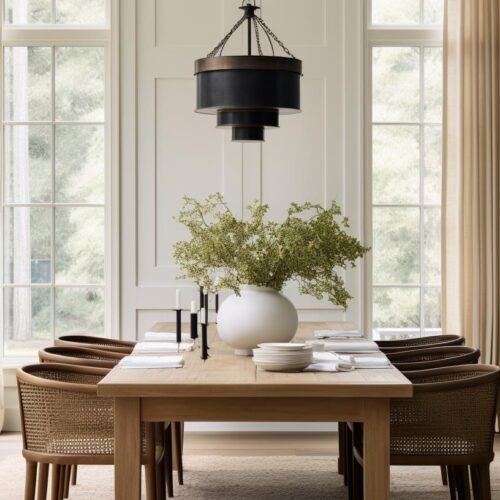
pixel 258 315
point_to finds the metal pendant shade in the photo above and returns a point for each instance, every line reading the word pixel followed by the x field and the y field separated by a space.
pixel 248 92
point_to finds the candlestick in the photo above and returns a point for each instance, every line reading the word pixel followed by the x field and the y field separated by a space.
pixel 204 341
pixel 177 299
pixel 178 333
pixel 193 307
pixel 201 298
pixel 206 308
pixel 216 303
pixel 194 325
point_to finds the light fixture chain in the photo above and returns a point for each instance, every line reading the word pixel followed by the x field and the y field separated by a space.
pixel 273 36
pixel 223 42
pixel 257 37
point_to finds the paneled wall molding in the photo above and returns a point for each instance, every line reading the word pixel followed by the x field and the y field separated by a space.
pixel 168 151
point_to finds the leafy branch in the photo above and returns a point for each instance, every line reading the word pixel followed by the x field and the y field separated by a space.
pixel 309 247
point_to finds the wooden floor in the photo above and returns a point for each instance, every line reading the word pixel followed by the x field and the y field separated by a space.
pixel 236 444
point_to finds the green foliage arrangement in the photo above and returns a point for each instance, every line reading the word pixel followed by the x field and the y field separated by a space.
pixel 308 247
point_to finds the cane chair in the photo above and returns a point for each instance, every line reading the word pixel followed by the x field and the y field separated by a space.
pixel 120 346
pixel 80 356
pixel 65 423
pixel 389 346
pixel 449 422
pixel 124 347
pixel 433 357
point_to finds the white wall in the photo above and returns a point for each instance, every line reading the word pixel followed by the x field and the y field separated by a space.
pixel 169 151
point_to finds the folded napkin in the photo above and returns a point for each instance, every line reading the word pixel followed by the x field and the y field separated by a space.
pixel 379 361
pixel 157 347
pixel 144 362
pixel 328 362
pixel 165 337
pixel 343 334
pixel 351 346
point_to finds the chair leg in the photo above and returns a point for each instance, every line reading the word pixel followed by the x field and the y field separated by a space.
pixel 481 485
pixel 43 479
pixel 451 483
pixel 150 482
pixel 178 451
pixel 74 474
pixel 30 481
pixel 444 475
pixel 341 463
pixel 62 475
pixel 357 480
pixel 348 443
pixel 67 478
pixel 169 475
pixel 461 478
pixel 54 489
pixel 160 480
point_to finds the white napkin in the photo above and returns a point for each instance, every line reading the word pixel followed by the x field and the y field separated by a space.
pixel 351 346
pixel 343 334
pixel 152 362
pixel 329 362
pixel 379 361
pixel 165 337
pixel 157 347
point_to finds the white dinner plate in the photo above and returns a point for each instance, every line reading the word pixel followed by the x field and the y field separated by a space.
pixel 283 346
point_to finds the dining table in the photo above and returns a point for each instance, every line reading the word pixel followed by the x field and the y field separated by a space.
pixel 230 388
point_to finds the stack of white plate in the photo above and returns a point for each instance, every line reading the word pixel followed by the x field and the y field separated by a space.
pixel 283 357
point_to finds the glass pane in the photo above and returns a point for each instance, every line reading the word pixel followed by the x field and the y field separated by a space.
pixel 80 163
pixel 402 12
pixel 27 233
pixel 27 12
pixel 27 83
pixel 433 84
pixel 27 154
pixel 80 84
pixel 433 12
pixel 396 307
pixel 432 246
pixel 88 12
pixel 79 310
pixel 395 245
pixel 432 308
pixel 26 320
pixel 396 84
pixel 79 245
pixel 396 164
pixel 432 164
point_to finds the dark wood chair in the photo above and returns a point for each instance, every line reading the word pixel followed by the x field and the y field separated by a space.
pixel 434 357
pixel 389 346
pixel 440 426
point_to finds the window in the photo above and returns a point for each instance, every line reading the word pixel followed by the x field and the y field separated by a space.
pixel 57 167
pixel 404 99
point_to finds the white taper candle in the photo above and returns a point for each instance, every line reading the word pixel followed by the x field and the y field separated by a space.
pixel 193 307
pixel 177 299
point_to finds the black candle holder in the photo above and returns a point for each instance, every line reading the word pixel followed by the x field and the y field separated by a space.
pixel 216 303
pixel 202 304
pixel 206 308
pixel 194 326
pixel 178 331
pixel 204 341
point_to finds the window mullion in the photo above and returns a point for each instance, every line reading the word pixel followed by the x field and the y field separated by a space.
pixel 422 187
pixel 52 198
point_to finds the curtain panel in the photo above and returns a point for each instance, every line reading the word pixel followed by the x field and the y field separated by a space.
pixel 471 174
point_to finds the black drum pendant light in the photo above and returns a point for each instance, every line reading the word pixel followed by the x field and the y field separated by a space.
pixel 248 92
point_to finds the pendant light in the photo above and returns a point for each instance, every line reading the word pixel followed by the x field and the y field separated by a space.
pixel 248 92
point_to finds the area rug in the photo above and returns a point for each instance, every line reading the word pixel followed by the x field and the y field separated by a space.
pixel 248 478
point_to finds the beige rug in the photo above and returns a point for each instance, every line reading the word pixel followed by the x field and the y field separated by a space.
pixel 245 478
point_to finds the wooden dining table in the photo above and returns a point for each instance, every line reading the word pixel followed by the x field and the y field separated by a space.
pixel 229 388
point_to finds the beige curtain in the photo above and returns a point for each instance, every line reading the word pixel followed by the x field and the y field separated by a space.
pixel 471 174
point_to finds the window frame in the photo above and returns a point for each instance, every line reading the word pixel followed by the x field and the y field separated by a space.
pixel 106 36
pixel 393 36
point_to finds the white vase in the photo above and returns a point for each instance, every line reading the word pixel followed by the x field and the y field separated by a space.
pixel 258 315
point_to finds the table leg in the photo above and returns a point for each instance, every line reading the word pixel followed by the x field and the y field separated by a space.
pixel 127 449
pixel 376 451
